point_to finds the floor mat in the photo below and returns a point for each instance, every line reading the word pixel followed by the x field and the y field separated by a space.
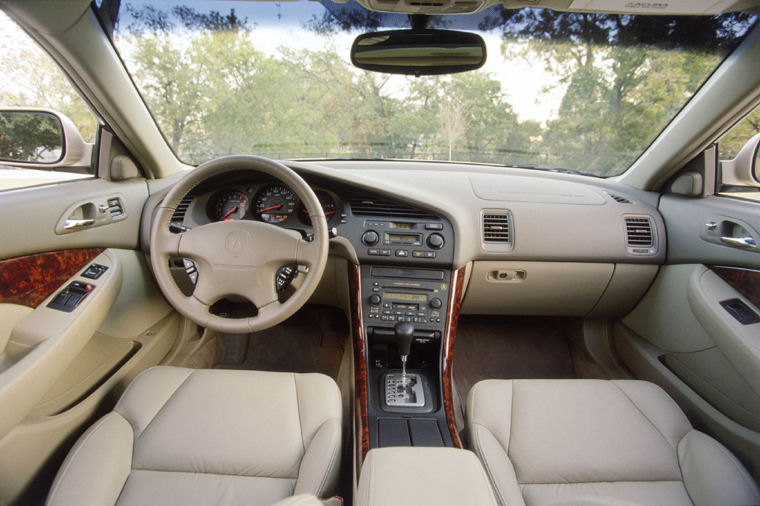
pixel 312 340
pixel 507 347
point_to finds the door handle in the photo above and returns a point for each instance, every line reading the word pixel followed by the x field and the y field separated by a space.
pixel 742 242
pixel 72 224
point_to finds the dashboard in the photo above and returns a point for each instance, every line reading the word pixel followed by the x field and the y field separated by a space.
pixel 532 242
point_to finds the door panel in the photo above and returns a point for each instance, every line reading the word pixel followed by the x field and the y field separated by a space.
pixel 697 330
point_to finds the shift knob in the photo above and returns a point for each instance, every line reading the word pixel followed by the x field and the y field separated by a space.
pixel 404 337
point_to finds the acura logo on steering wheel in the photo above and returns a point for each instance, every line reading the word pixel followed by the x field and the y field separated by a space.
pixel 237 242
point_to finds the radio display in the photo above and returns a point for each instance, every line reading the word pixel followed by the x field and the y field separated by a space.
pixel 397 224
pixel 411 297
pixel 402 239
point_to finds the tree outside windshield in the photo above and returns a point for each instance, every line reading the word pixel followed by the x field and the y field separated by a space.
pixel 573 91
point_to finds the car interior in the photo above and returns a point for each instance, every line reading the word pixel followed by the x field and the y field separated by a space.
pixel 380 252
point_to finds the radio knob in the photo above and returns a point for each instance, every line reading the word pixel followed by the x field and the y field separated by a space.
pixel 435 241
pixel 436 303
pixel 375 299
pixel 370 238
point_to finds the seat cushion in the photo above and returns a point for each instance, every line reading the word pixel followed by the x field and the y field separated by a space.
pixel 185 436
pixel 616 442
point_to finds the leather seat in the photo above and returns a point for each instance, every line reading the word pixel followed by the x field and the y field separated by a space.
pixel 598 442
pixel 184 436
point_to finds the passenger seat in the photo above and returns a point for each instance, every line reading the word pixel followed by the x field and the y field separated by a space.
pixel 598 442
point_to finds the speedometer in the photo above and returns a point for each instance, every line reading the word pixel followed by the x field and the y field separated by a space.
pixel 228 205
pixel 275 203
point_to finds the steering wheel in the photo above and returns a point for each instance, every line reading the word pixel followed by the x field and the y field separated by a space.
pixel 238 258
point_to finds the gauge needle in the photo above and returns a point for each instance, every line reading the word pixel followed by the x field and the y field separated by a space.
pixel 229 212
pixel 270 208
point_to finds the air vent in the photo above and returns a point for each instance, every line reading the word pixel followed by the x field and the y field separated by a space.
pixel 497 229
pixel 639 235
pixel 370 205
pixel 619 199
pixel 179 213
pixel 115 208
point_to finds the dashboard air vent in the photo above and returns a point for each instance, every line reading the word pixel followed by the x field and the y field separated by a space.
pixel 371 205
pixel 179 213
pixel 640 235
pixel 619 199
pixel 495 228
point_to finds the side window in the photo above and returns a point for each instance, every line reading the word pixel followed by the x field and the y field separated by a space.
pixel 739 154
pixel 47 132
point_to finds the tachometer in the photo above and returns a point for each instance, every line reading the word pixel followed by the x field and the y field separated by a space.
pixel 328 206
pixel 229 205
pixel 275 203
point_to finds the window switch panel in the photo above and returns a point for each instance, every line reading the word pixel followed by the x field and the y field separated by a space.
pixel 740 311
pixel 71 296
pixel 94 271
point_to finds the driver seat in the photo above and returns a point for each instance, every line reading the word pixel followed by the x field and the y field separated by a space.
pixel 186 436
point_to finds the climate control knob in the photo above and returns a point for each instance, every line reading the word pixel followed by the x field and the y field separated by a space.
pixel 436 303
pixel 435 241
pixel 370 238
pixel 375 299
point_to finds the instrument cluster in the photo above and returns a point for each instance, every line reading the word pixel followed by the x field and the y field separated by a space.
pixel 272 203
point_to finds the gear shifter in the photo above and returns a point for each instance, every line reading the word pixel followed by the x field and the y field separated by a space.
pixel 404 337
pixel 404 390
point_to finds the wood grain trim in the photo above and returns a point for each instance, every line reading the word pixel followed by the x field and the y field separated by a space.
pixel 744 281
pixel 29 280
pixel 447 351
pixel 361 400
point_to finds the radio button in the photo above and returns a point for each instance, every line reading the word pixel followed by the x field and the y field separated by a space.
pixel 385 252
pixel 435 241
pixel 375 299
pixel 436 303
pixel 433 226
pixel 418 254
pixel 373 251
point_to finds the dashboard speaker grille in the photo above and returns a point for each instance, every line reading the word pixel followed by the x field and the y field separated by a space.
pixel 370 205
pixel 638 232
pixel 496 228
pixel 179 213
pixel 619 198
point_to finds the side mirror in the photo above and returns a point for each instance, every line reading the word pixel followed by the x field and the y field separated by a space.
pixel 419 52
pixel 41 138
pixel 744 170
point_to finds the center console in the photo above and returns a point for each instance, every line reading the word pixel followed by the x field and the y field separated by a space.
pixel 404 295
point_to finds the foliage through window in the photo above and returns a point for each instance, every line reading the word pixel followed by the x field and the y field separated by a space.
pixel 30 80
pixel 581 92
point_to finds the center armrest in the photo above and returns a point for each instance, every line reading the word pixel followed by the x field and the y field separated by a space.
pixel 416 475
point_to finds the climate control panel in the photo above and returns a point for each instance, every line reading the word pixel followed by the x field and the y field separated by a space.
pixel 402 241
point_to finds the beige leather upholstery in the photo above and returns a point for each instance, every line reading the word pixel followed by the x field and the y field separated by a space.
pixel 184 436
pixel 598 442
pixel 418 476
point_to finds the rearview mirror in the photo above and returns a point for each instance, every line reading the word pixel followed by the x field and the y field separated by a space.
pixel 419 52
pixel 744 170
pixel 41 138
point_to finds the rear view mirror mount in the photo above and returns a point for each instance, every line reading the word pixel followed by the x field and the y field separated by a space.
pixel 419 52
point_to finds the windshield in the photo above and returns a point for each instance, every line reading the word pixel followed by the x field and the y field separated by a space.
pixel 580 92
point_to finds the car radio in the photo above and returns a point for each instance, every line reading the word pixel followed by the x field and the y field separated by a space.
pixel 394 295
